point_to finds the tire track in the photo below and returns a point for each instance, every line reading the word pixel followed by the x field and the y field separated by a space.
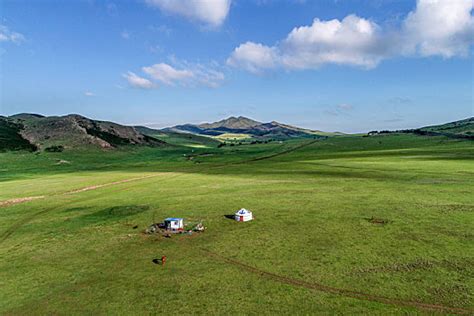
pixel 339 291
pixel 7 233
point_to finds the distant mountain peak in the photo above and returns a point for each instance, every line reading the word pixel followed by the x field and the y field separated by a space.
pixel 232 122
pixel 245 125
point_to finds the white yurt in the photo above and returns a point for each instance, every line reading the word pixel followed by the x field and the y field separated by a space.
pixel 243 215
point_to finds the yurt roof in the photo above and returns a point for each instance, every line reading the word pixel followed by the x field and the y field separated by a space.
pixel 169 219
pixel 242 212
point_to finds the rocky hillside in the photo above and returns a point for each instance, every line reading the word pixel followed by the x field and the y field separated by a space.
pixel 32 131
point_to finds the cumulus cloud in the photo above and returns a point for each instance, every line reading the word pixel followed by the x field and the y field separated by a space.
pixel 9 36
pixel 89 94
pixel 210 12
pixel 253 57
pixel 352 41
pixel 440 27
pixel 138 82
pixel 167 74
pixel 435 28
pixel 182 73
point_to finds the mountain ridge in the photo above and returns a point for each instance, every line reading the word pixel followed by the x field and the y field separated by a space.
pixel 34 131
pixel 245 125
pixel 29 131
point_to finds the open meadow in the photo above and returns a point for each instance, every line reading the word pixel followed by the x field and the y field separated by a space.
pixel 381 224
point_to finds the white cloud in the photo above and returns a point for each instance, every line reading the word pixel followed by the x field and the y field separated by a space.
pixel 167 74
pixel 352 41
pixel 137 81
pixel 253 57
pixel 180 73
pixel 9 36
pixel 89 94
pixel 440 27
pixel 435 28
pixel 211 12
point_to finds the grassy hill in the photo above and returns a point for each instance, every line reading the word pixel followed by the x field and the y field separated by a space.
pixel 179 139
pixel 458 128
pixel 462 129
pixel 29 131
pixel 343 225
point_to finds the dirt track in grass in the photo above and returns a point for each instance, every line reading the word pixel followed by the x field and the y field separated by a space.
pixel 20 200
pixel 339 291
pixel 15 201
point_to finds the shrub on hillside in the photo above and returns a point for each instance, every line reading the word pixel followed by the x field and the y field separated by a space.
pixel 54 149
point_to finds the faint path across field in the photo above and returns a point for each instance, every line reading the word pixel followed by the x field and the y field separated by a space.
pixel 14 201
pixel 10 202
pixel 31 217
pixel 98 186
pixel 339 291
pixel 19 200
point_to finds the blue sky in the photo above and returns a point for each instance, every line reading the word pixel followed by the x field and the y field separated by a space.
pixel 350 66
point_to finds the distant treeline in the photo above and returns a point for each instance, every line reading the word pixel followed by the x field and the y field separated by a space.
pixel 422 133
pixel 245 143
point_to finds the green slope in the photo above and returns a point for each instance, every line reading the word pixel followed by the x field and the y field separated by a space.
pixel 179 139
pixel 460 128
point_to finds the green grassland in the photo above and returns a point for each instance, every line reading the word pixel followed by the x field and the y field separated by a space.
pixel 184 139
pixel 232 136
pixel 344 225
